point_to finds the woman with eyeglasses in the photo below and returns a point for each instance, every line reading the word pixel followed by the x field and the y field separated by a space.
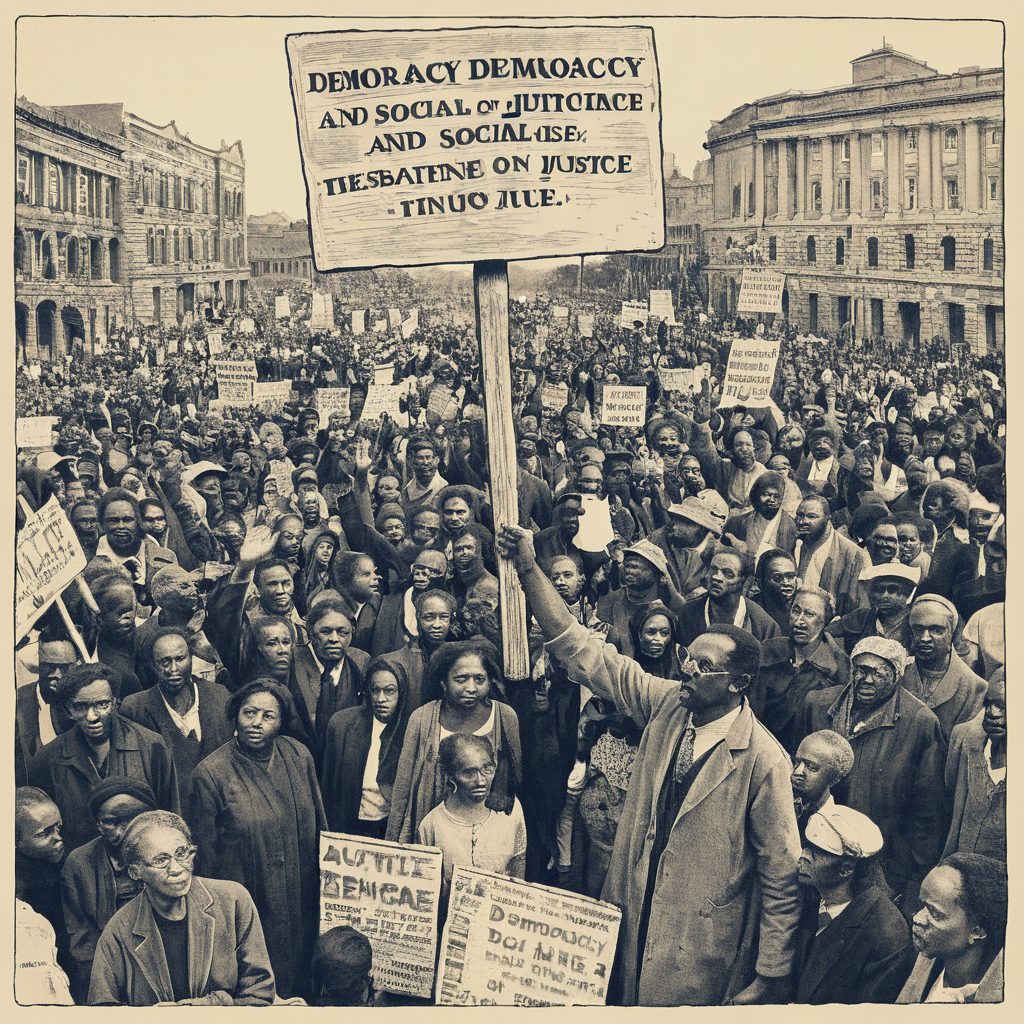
pixel 102 742
pixel 467 673
pixel 468 832
pixel 256 804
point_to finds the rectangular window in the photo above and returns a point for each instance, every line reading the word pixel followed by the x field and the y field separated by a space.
pixel 840 251
pixel 206 200
pixel 909 250
pixel 816 196
pixel 993 190
pixel 876 144
pixel 952 194
pixel 812 313
pixel 911 193
pixel 24 179
pixel 844 148
pixel 951 139
pixel 876 195
pixel 772 248
pixel 108 202
pixel 911 139
pixel 988 254
pixel 843 194
pixel 53 187
pixel 815 149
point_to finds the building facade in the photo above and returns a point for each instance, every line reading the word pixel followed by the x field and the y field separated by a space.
pixel 881 201
pixel 68 239
pixel 279 247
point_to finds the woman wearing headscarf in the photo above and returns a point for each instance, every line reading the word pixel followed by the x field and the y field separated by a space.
pixel 364 744
pixel 654 632
pixel 467 673
pixel 256 804
pixel 315 577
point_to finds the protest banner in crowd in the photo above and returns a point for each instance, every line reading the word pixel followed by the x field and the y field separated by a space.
pixel 34 431
pixel 369 199
pixel 381 399
pixel 560 312
pixel 510 943
pixel 411 323
pixel 631 312
pixel 282 308
pixel 661 306
pixel 235 380
pixel 554 396
pixel 272 394
pixel 761 291
pixel 585 323
pixel 390 893
pixel 624 406
pixel 750 373
pixel 331 400
pixel 47 558
pixel 358 321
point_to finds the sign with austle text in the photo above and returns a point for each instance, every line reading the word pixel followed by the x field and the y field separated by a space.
pixel 491 143
pixel 761 291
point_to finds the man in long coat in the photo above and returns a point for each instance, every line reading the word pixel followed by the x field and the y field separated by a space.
pixel 706 874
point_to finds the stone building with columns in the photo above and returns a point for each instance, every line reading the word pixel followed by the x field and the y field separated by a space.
pixel 881 201
pixel 279 247
pixel 69 268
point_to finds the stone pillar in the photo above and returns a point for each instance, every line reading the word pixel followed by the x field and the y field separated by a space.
pixel 759 181
pixel 745 211
pixel 783 183
pixel 974 327
pixel 938 188
pixel 894 179
pixel 856 184
pixel 31 339
pixel 828 185
pixel 105 258
pixel 973 166
pixel 924 167
pixel 801 180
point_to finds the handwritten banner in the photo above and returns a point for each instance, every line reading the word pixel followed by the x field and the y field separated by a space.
pixel 560 312
pixel 661 306
pixel 389 892
pixel 508 943
pixel 585 323
pixel 554 396
pixel 321 316
pixel 330 400
pixel 358 321
pixel 47 557
pixel 35 431
pixel 380 399
pixel 761 291
pixel 750 373
pixel 411 324
pixel 632 311
pixel 282 307
pixel 681 380
pixel 489 143
pixel 235 380
pixel 271 394
pixel 624 406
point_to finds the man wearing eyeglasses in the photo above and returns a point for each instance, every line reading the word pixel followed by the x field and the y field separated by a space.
pixel 101 743
pixel 704 862
pixel 183 940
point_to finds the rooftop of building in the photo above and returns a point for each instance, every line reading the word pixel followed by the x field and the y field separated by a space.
pixel 70 120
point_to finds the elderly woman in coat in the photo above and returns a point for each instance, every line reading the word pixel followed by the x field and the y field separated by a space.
pixel 466 672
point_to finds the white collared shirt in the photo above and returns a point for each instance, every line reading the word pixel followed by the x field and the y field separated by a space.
pixel 104 548
pixel 706 736
pixel 997 775
pixel 47 733
pixel 335 672
pixel 741 613
pixel 188 722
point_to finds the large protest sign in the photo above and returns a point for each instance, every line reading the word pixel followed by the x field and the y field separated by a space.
pixel 560 312
pixel 282 307
pixel 761 291
pixel 624 406
pixel 681 380
pixel 358 321
pixel 481 144
pixel 380 399
pixel 508 943
pixel 47 557
pixel 321 315
pixel 749 375
pixel 215 342
pixel 411 323
pixel 389 892
pixel 631 312
pixel 554 396
pixel 247 325
pixel 384 374
pixel 330 400
pixel 585 323
pixel 661 306
pixel 34 431
pixel 235 379
pixel 271 395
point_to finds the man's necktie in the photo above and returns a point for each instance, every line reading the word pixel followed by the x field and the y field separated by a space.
pixel 684 759
pixel 824 920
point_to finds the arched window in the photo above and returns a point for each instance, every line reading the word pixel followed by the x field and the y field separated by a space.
pixel 74 264
pixel 948 253
pixel 161 241
pixel 844 148
pixel 951 139
pixel 206 245
pixel 816 195
pixel 840 251
pixel 952 194
pixel 190 247
pixel 812 253
pixel 872 252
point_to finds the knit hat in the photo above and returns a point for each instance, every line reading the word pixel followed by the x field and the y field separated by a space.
pixel 890 650
pixel 120 785
pixel 389 510
pixel 650 553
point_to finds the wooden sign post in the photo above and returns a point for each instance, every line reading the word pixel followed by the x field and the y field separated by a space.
pixel 481 145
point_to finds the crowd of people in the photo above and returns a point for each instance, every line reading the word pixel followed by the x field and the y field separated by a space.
pixel 765 713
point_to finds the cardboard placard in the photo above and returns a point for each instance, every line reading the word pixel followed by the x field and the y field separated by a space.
pixel 633 311
pixel 750 373
pixel 560 312
pixel 35 431
pixel 390 893
pixel 661 306
pixel 761 291
pixel 585 323
pixel 235 380
pixel 554 396
pixel 383 398
pixel 47 557
pixel 509 943
pixel 476 176
pixel 271 394
pixel 215 342
pixel 358 321
pixel 282 307
pixel 681 380
pixel 247 325
pixel 595 532
pixel 329 400
pixel 394 318
pixel 322 314
pixel 411 323
pixel 384 375
pixel 623 406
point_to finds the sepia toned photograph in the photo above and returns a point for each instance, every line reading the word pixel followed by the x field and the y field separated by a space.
pixel 510 511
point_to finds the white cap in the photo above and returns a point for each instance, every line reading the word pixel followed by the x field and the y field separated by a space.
pixel 897 569
pixel 842 830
